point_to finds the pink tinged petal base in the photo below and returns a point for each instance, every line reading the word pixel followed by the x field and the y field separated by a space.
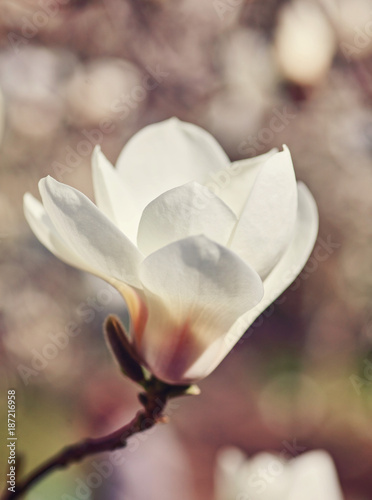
pixel 267 222
pixel 195 290
pixel 285 272
pixel 94 238
pixel 184 211
pixel 137 308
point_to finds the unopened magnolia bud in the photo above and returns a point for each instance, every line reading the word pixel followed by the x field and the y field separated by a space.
pixel 121 349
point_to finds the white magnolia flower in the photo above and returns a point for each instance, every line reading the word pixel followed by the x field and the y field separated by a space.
pixel 192 265
pixel 271 477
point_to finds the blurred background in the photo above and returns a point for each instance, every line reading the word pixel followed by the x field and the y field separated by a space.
pixel 256 74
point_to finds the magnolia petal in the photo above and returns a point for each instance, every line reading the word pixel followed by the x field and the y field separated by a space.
pixel 274 490
pixel 238 476
pixel 234 184
pixel 47 234
pixel 90 233
pixel 184 211
pixel 280 278
pixel 112 196
pixel 267 222
pixel 229 462
pixel 195 290
pixel 208 360
pixel 290 265
pixel 314 475
pixel 166 155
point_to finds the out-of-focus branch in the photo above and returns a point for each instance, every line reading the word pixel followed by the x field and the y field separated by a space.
pixel 153 401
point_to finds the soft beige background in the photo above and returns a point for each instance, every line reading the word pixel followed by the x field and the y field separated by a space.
pixel 78 71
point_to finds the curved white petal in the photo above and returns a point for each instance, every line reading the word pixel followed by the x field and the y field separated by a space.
pixel 184 211
pixel 234 184
pixel 166 155
pixel 280 278
pixel 267 222
pixel 314 475
pixel 112 196
pixel 47 234
pixel 290 265
pixel 94 238
pixel 195 290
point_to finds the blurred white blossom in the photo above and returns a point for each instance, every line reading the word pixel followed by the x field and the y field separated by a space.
pixel 352 20
pixel 305 42
pixel 104 89
pixel 32 87
pixel 245 62
pixel 273 477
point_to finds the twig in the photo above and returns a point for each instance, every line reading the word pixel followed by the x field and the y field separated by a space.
pixel 153 401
